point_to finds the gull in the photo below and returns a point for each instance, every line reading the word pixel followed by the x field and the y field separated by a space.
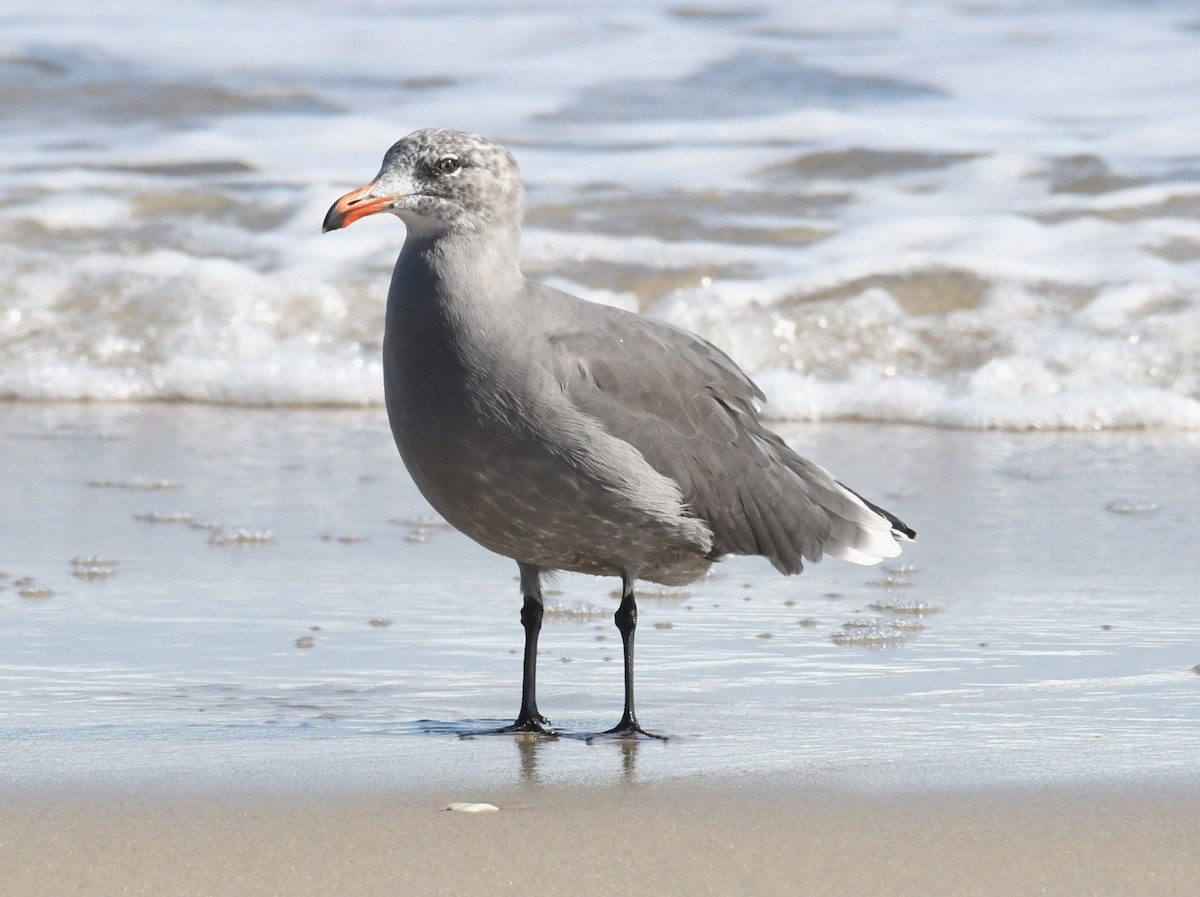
pixel 574 436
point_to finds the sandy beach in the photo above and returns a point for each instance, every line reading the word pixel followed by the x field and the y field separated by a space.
pixel 684 840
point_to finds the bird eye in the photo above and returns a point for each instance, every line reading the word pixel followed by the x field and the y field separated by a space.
pixel 448 165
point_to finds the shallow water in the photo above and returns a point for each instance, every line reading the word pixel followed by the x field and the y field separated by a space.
pixel 338 637
pixel 944 212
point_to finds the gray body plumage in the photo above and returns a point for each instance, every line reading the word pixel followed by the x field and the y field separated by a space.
pixel 569 435
pixel 510 457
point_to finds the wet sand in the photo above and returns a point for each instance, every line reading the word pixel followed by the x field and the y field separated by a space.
pixel 662 839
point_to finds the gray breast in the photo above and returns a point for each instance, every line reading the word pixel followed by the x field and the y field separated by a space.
pixel 494 445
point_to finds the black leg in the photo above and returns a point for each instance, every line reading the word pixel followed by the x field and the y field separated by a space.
pixel 626 620
pixel 529 720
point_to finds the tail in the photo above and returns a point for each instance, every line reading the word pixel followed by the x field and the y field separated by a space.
pixel 859 531
pixel 877 538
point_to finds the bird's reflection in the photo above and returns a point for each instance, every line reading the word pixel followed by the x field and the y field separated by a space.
pixel 629 748
pixel 534 748
pixel 529 745
pixel 531 748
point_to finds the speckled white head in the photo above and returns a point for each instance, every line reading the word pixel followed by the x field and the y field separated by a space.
pixel 438 180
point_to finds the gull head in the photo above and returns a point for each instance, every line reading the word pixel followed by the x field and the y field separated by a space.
pixel 437 180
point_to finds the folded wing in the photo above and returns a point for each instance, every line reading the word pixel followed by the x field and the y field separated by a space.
pixel 694 416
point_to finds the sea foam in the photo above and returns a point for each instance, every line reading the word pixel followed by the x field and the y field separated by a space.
pixel 865 207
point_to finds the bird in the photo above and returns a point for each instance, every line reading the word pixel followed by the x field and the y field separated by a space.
pixel 569 435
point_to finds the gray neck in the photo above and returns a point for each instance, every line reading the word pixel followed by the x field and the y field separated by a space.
pixel 455 303
pixel 463 276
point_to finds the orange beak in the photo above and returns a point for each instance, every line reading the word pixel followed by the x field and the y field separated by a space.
pixel 354 205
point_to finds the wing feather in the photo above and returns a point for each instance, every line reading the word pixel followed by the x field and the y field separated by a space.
pixel 693 415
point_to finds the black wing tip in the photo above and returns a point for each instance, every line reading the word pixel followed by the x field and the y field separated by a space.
pixel 899 527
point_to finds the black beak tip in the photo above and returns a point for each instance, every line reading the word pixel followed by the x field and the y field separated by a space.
pixel 334 220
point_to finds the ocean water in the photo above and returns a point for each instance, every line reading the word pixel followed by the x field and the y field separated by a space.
pixel 976 215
